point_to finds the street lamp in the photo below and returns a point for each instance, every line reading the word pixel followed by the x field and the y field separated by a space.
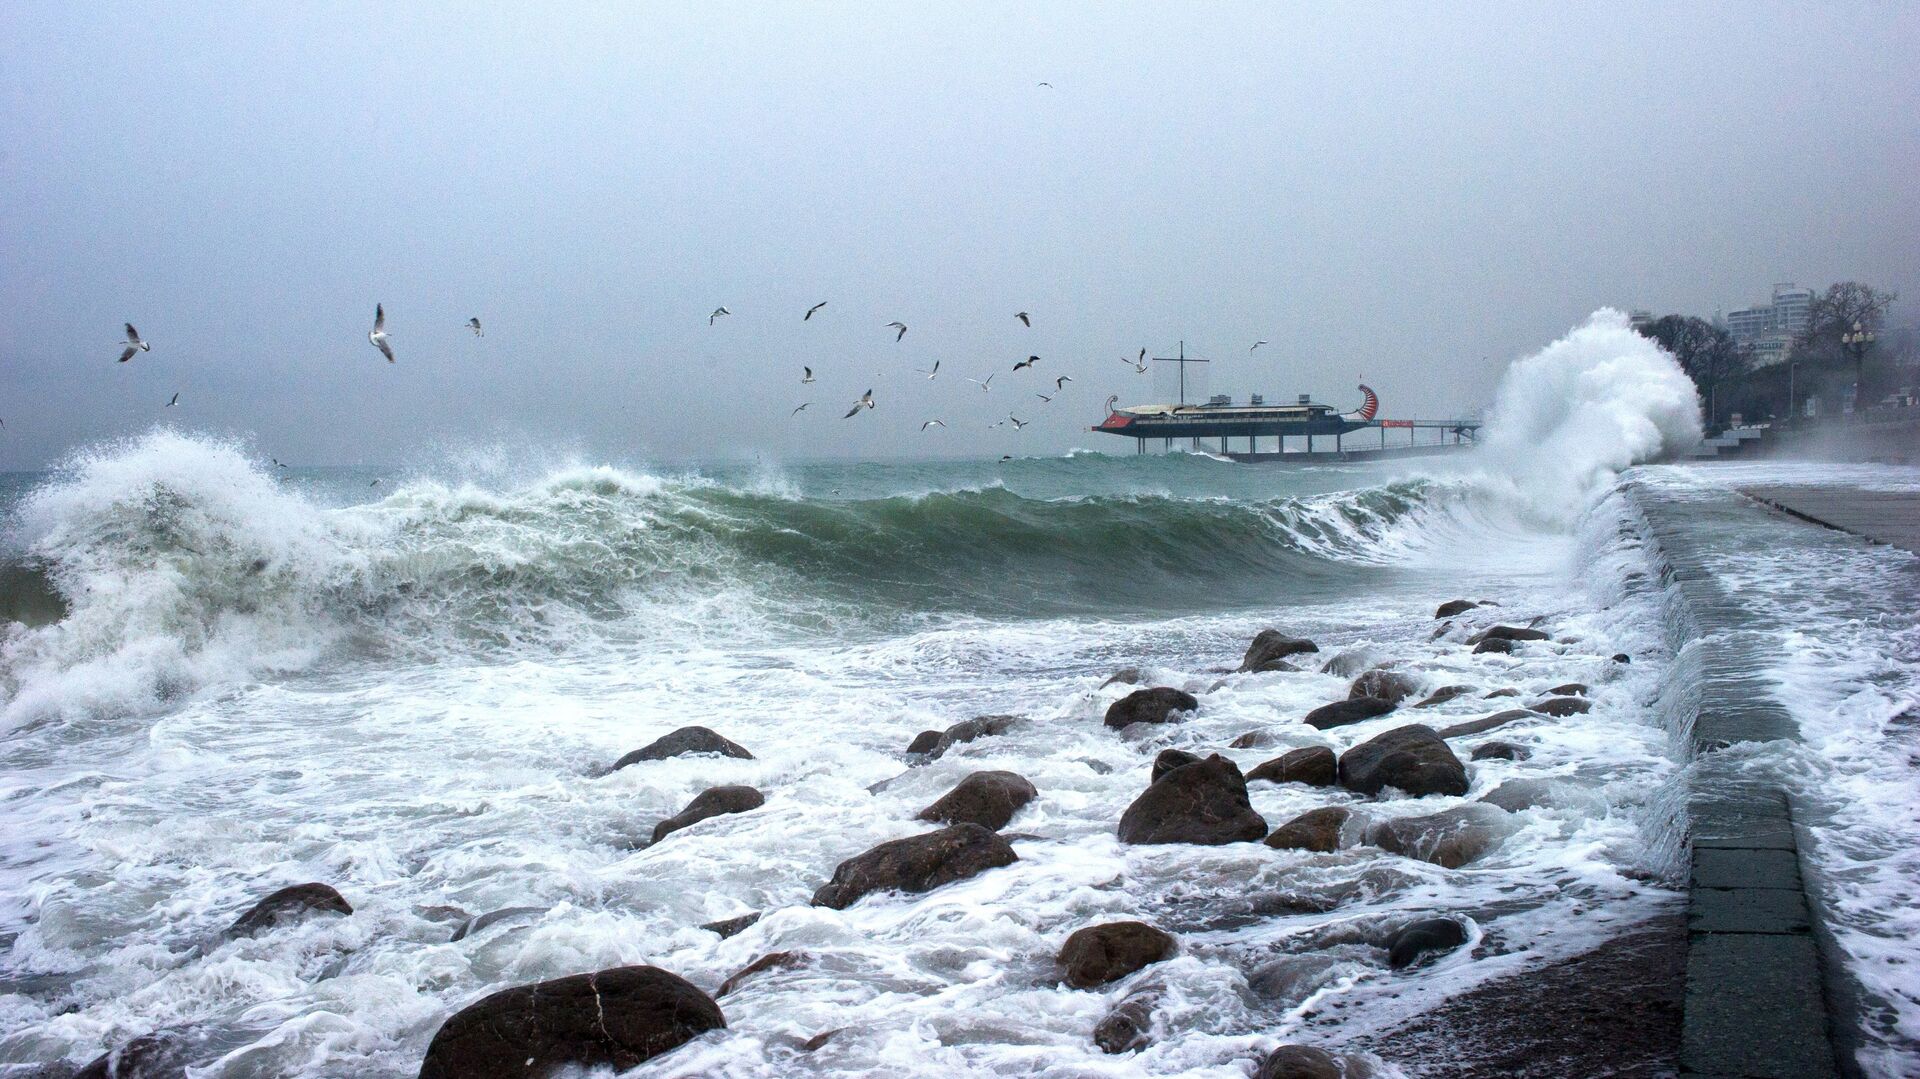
pixel 1856 344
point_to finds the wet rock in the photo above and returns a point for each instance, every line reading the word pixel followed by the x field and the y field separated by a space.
pixel 1571 689
pixel 1203 803
pixel 1341 713
pixel 1497 645
pixel 1563 706
pixel 770 961
pixel 1347 664
pixel 1507 633
pixel 819 1040
pixel 1390 686
pixel 1314 765
pixel 1315 830
pixel 728 927
pixel 1518 794
pixel 1450 838
pixel 1273 666
pixel 1169 759
pixel 1300 1062
pixel 1271 644
pixel 1487 723
pixel 1129 1026
pixel 989 799
pixel 923 743
pixel 1099 768
pixel 614 1018
pixel 1411 758
pixel 443 914
pixel 287 905
pixel 1502 751
pixel 1504 691
pixel 1126 676
pixel 474 926
pixel 160 1055
pixel 712 802
pixel 1252 740
pixel 1622 657
pixel 918 863
pixel 1155 705
pixel 1422 937
pixel 969 729
pixel 1443 695
pixel 685 742
pixel 1454 607
pixel 1106 953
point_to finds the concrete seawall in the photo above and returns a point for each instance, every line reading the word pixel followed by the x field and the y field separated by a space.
pixel 1763 981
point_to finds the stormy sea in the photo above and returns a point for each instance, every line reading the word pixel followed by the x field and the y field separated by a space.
pixel 413 685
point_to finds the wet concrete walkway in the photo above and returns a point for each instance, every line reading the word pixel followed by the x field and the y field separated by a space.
pixel 1889 517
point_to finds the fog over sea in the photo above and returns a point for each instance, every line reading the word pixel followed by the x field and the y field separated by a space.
pixel 412 691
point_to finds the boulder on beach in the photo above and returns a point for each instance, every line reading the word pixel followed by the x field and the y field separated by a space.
pixel 287 905
pixel 1390 686
pixel 923 743
pixel 1571 689
pixel 1499 645
pixel 1129 1025
pixel 917 863
pixel 1507 633
pixel 162 1054
pixel 989 799
pixel 1516 795
pixel 1125 676
pixel 1349 663
pixel 1425 936
pixel 712 802
pixel 1501 751
pixel 1443 695
pixel 1622 657
pixel 1205 803
pixel 1503 691
pixel 1315 766
pixel 1454 607
pixel 1450 838
pixel 728 927
pixel 1155 705
pixel 618 1018
pixel 1563 706
pixel 1252 740
pixel 1270 645
pixel 685 742
pixel 1412 758
pixel 1300 1062
pixel 964 731
pixel 1316 830
pixel 482 922
pixel 1342 713
pixel 1168 760
pixel 1106 953
pixel 1487 723
pixel 770 961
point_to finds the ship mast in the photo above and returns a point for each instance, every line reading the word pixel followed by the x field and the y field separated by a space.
pixel 1183 360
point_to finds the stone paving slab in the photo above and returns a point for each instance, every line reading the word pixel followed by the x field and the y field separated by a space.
pixel 1889 517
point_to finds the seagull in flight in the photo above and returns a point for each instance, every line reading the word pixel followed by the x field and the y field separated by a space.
pixel 797 411
pixel 901 326
pixel 806 375
pixel 933 423
pixel 1024 320
pixel 1138 368
pixel 1048 85
pixel 378 335
pixel 930 374
pixel 1061 381
pixel 1028 362
pixel 375 483
pixel 276 462
pixel 1044 397
pixel 1017 422
pixel 474 325
pixel 866 399
pixel 717 312
pixel 985 387
pixel 812 309
pixel 134 344
pixel 1255 345
pixel 174 400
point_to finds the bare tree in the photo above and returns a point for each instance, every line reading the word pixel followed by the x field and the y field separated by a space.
pixel 1835 313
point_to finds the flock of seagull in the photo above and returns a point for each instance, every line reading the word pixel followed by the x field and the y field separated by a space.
pixel 380 339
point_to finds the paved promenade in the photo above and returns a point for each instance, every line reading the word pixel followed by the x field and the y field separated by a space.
pixel 1889 517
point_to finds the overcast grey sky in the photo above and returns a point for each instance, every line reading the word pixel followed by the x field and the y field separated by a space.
pixel 1412 196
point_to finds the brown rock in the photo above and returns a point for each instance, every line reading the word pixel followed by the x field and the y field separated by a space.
pixel 1168 760
pixel 1427 935
pixel 615 1018
pixel 770 961
pixel 687 741
pixel 162 1054
pixel 1203 803
pixel 1454 607
pixel 1499 645
pixel 1314 765
pixel 1252 740
pixel 1128 1027
pixel 1501 751
pixel 1487 723
pixel 1300 1062
pixel 1342 713
pixel 1271 644
pixel 1504 691
pixel 923 743
pixel 728 927
pixel 1315 830
pixel 1106 953
pixel 1450 838
pixel 966 731
pixel 287 905
pixel 712 802
pixel 1390 686
pixel 1155 705
pixel 1571 689
pixel 918 863
pixel 1443 695
pixel 1412 758
pixel 989 799
pixel 1507 633
pixel 1563 706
